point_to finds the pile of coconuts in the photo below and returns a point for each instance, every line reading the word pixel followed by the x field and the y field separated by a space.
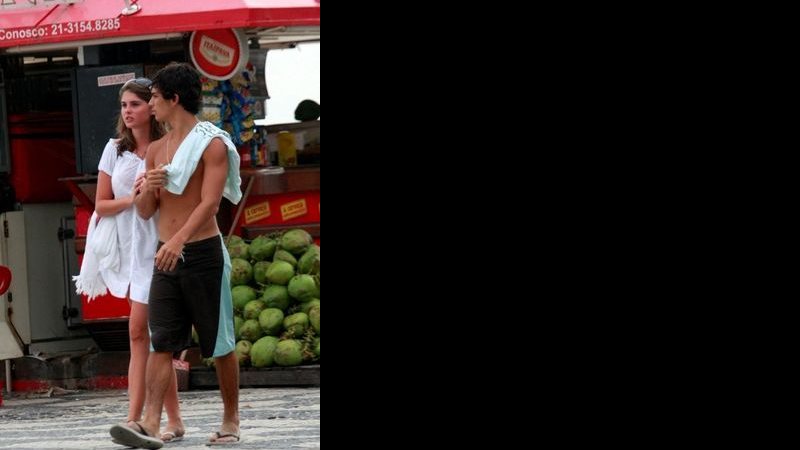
pixel 275 293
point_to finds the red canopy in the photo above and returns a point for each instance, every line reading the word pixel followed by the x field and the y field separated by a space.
pixel 103 19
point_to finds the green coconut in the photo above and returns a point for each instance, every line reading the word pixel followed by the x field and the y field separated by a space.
pixel 241 272
pixel 303 287
pixel 289 353
pixel 233 240
pixel 237 248
pixel 276 296
pixel 306 306
pixel 271 321
pixel 296 241
pixel 296 324
pixel 280 272
pixel 253 309
pixel 260 271
pixel 313 317
pixel 251 330
pixel 309 262
pixel 263 352
pixel 262 248
pixel 237 327
pixel 243 352
pixel 283 255
pixel 242 295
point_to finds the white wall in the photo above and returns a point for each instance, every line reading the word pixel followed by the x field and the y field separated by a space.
pixel 292 75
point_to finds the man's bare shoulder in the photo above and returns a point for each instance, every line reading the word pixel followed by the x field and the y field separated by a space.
pixel 215 150
pixel 159 143
pixel 217 143
pixel 156 149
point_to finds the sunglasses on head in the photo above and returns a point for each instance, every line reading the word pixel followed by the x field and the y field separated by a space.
pixel 143 82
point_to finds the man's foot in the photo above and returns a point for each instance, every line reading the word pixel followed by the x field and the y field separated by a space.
pixel 134 435
pixel 223 438
pixel 172 435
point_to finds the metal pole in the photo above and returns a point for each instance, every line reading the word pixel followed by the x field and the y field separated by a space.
pixel 8 376
pixel 241 205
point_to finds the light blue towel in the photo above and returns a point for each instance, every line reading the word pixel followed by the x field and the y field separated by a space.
pixel 189 153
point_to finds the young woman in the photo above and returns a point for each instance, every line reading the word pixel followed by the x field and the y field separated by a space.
pixel 122 160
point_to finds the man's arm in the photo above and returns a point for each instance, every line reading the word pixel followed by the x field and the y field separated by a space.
pixel 146 199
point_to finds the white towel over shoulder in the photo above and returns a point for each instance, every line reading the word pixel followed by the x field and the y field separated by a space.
pixel 189 153
pixel 101 253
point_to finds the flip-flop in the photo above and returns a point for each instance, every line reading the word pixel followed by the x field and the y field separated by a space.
pixel 125 435
pixel 222 436
pixel 122 443
pixel 172 437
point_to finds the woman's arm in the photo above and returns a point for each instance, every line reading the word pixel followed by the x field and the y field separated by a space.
pixel 104 202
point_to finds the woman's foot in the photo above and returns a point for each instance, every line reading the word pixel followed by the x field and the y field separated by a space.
pixel 173 433
pixel 171 436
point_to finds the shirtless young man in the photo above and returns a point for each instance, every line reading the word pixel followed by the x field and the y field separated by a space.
pixel 191 279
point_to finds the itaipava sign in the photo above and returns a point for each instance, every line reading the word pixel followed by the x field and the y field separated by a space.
pixel 219 54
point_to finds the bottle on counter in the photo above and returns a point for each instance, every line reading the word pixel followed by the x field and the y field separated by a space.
pixel 262 150
pixel 272 148
pixel 253 153
pixel 287 151
pixel 245 159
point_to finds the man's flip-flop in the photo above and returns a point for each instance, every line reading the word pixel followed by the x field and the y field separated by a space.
pixel 171 436
pixel 125 435
pixel 223 436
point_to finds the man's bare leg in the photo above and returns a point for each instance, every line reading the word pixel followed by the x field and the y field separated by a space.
pixel 228 379
pixel 159 376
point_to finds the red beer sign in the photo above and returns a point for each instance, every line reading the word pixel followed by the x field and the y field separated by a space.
pixel 219 54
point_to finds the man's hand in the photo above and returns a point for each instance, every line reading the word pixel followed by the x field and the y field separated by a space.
pixel 155 179
pixel 168 254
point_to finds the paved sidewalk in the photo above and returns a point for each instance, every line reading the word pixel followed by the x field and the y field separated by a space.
pixel 271 418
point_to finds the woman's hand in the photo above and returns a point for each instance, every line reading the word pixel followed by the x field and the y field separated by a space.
pixel 138 183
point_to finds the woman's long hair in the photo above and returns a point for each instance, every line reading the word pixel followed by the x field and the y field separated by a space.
pixel 127 143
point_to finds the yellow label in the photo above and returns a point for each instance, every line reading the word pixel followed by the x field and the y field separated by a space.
pixel 294 209
pixel 257 212
pixel 287 152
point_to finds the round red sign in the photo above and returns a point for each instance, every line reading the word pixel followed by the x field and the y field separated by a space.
pixel 219 54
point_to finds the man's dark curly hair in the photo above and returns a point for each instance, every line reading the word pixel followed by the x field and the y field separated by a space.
pixel 183 80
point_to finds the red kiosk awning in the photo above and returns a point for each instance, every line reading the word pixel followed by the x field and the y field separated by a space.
pixel 91 20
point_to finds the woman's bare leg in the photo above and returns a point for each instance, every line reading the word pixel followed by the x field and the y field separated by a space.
pixel 140 350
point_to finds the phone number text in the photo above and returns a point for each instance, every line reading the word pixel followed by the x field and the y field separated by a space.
pixel 58 29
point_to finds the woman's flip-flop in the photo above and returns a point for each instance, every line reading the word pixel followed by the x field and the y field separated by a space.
pixel 171 436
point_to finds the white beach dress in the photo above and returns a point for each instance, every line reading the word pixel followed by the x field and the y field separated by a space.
pixel 145 243
pixel 137 237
